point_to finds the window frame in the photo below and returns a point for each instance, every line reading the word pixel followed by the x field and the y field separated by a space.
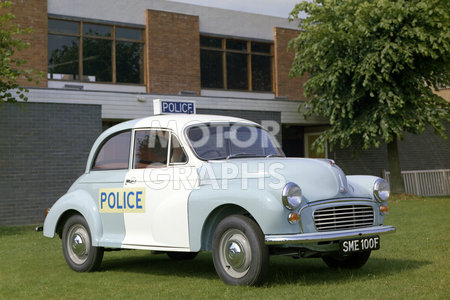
pixel 80 35
pixel 307 145
pixel 248 52
pixel 169 146
pixel 172 134
pixel 193 150
pixel 102 144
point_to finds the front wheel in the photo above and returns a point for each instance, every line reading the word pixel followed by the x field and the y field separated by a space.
pixel 351 261
pixel 78 251
pixel 239 253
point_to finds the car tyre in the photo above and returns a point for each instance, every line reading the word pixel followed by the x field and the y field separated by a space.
pixel 78 251
pixel 182 255
pixel 239 253
pixel 351 261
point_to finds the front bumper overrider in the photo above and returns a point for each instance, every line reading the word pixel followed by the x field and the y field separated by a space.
pixel 300 238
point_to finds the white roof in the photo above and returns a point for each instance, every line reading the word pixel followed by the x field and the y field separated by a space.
pixel 176 122
pixel 182 120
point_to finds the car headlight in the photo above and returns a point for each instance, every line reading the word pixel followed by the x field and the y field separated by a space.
pixel 292 196
pixel 381 190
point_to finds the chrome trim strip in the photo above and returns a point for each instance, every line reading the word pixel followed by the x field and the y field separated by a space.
pixel 278 239
pixel 328 201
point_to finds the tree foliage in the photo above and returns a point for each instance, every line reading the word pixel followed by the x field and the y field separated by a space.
pixel 373 65
pixel 11 65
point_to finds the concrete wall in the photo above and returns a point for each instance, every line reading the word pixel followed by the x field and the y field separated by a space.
pixel 427 151
pixel 43 150
pixel 125 106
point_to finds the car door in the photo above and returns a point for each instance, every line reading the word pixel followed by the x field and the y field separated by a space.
pixel 160 165
pixel 107 173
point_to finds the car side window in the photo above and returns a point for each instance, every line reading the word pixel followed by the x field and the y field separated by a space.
pixel 177 154
pixel 114 154
pixel 150 148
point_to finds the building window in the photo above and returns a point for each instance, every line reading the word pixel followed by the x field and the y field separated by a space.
pixel 91 52
pixel 310 138
pixel 232 64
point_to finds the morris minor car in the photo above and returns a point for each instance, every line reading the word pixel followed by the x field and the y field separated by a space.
pixel 181 184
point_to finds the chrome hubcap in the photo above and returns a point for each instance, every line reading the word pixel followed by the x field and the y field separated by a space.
pixel 235 253
pixel 78 243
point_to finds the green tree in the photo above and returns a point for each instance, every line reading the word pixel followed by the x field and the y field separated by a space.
pixel 11 65
pixel 373 65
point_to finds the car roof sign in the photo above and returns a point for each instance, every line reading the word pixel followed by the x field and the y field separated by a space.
pixel 164 106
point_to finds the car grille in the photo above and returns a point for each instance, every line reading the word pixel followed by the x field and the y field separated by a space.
pixel 343 217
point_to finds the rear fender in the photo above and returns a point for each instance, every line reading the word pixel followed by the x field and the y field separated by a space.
pixel 81 202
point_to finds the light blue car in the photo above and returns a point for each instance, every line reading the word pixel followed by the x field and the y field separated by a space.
pixel 180 184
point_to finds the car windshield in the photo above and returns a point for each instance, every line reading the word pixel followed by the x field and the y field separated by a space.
pixel 226 141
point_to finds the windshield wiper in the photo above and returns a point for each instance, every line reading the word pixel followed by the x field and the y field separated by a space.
pixel 242 154
pixel 273 155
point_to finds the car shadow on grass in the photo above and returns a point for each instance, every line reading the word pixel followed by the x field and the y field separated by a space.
pixel 160 264
pixel 315 272
pixel 283 270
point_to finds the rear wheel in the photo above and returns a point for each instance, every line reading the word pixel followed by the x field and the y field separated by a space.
pixel 78 251
pixel 182 255
pixel 239 253
pixel 351 261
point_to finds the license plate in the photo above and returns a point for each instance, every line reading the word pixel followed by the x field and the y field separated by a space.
pixel 360 244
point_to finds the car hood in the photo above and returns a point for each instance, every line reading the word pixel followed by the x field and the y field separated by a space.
pixel 319 179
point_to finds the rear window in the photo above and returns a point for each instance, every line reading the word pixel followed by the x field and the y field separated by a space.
pixel 114 154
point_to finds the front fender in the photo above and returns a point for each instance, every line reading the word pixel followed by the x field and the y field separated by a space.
pixel 78 200
pixel 362 185
pixel 264 205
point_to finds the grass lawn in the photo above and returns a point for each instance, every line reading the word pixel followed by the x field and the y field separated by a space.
pixel 413 263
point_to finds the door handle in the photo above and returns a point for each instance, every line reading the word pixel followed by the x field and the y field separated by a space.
pixel 132 181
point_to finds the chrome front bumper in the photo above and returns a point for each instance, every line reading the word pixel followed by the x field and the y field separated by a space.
pixel 279 239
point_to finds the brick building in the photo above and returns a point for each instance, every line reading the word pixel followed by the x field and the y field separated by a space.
pixel 107 60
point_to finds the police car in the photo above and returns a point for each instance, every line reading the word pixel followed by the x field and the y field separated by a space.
pixel 184 183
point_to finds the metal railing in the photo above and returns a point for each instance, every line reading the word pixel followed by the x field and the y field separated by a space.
pixel 425 182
